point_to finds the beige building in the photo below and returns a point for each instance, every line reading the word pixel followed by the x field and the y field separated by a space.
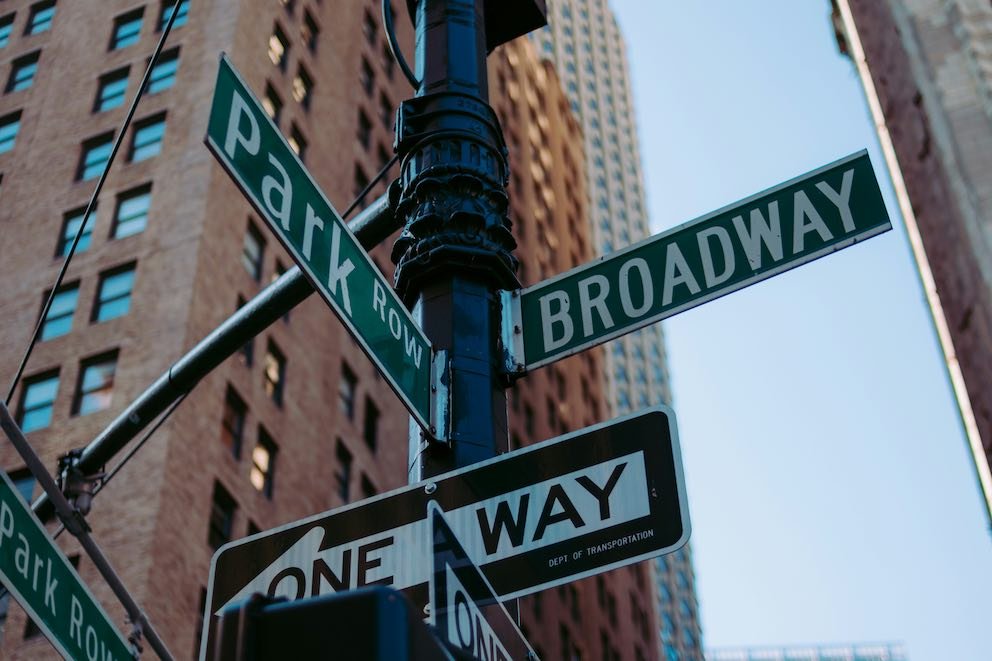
pixel 586 44
pixel 926 66
pixel 610 616
pixel 299 422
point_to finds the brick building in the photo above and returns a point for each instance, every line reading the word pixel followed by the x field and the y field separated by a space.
pixel 927 72
pixel 610 616
pixel 299 422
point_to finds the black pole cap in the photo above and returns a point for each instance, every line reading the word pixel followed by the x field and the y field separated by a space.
pixel 505 19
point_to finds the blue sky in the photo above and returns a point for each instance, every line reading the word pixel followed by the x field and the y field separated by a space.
pixel 831 493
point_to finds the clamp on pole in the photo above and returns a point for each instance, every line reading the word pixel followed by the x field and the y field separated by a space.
pixel 78 488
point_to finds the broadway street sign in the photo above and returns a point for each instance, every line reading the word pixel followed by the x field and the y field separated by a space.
pixel 40 577
pixel 464 608
pixel 272 177
pixel 791 224
pixel 548 514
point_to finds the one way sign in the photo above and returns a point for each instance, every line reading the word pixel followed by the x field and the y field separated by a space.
pixel 568 508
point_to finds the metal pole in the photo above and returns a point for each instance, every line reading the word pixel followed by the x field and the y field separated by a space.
pixel 76 524
pixel 455 252
pixel 371 227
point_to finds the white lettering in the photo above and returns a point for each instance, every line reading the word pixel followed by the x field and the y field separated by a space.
pixel 413 348
pixel 250 142
pixel 379 299
pixel 800 228
pixel 50 585
pixel 339 271
pixel 312 220
pixel 841 200
pixel 677 272
pixel 709 270
pixel 646 286
pixel 396 328
pixel 589 303
pixel 548 320
pixel 22 556
pixel 760 232
pixel 76 620
pixel 285 190
pixel 93 650
pixel 6 522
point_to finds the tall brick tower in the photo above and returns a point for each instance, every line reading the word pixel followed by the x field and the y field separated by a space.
pixel 298 422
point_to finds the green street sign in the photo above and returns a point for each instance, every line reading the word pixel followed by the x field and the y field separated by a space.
pixel 773 231
pixel 45 584
pixel 270 174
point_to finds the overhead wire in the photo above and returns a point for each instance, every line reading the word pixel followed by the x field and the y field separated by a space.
pixel 394 47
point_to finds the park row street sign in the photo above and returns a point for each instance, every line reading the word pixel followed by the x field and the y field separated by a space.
pixel 270 174
pixel 45 584
pixel 464 608
pixel 793 223
pixel 548 514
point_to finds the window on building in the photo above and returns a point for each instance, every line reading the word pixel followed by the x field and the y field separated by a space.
pixel 58 321
pixel 41 17
pixel 385 111
pixel 368 489
pixel 114 294
pixel 309 31
pixel 343 473
pixel 24 482
pixel 263 464
pixel 71 222
pixel 367 77
pixel 247 351
pixel 22 72
pixel 167 8
pixel 221 517
pixel 302 87
pixel 127 29
pixel 9 125
pixel 232 427
pixel 383 156
pixel 131 216
pixel 37 400
pixel 275 373
pixel 94 156
pixel 95 387
pixel 364 129
pixel 370 428
pixel 272 103
pixel 163 74
pixel 297 142
pixel 346 391
pixel 148 135
pixel 278 47
pixel 110 90
pixel 252 251
pixel 6 27
pixel 369 27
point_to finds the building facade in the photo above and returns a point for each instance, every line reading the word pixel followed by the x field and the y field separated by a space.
pixel 584 41
pixel 926 67
pixel 876 652
pixel 609 616
pixel 299 421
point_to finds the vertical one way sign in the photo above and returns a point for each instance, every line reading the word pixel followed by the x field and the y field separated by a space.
pixel 273 178
pixel 45 584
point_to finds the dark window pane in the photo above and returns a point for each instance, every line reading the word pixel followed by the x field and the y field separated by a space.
pixel 42 14
pixel 127 29
pixel 114 294
pixel 233 422
pixel 221 517
pixel 58 321
pixel 37 400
